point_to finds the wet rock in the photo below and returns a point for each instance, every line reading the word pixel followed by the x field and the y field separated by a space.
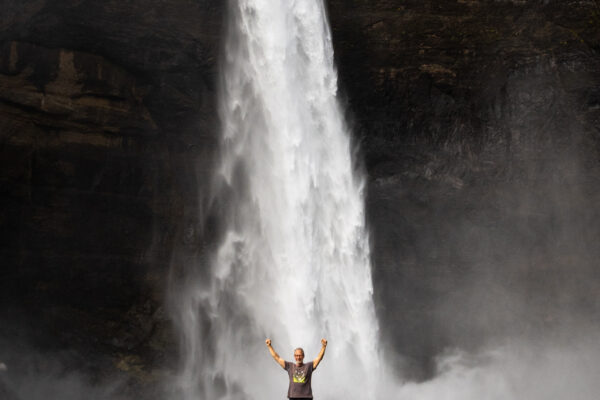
pixel 480 139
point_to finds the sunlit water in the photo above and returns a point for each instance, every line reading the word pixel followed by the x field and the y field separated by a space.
pixel 294 262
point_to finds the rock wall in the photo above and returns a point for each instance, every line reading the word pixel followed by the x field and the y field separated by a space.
pixel 477 122
pixel 107 129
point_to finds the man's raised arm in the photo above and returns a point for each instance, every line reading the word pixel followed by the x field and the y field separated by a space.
pixel 274 354
pixel 321 354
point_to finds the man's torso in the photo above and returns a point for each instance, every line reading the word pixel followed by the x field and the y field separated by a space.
pixel 300 380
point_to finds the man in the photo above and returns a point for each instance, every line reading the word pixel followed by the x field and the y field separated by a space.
pixel 298 372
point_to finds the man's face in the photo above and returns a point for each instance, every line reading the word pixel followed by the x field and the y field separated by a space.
pixel 298 356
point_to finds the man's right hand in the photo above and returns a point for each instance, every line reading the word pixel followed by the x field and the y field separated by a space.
pixel 274 354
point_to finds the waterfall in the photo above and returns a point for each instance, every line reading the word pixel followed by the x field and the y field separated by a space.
pixel 293 264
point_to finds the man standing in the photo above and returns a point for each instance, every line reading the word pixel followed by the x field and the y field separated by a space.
pixel 299 372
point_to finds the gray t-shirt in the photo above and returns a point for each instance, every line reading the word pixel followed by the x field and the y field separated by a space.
pixel 299 380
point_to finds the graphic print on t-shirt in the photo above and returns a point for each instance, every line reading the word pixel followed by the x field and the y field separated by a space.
pixel 299 375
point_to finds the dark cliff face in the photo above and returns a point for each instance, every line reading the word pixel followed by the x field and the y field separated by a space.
pixel 107 127
pixel 478 122
pixel 478 125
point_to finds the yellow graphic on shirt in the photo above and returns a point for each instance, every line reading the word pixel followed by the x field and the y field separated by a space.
pixel 299 376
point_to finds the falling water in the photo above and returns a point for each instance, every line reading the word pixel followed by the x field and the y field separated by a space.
pixel 293 264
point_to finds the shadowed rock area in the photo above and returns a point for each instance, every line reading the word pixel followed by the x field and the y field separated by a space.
pixel 478 123
pixel 107 123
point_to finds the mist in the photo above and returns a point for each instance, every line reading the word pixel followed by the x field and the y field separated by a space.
pixel 520 370
pixel 30 374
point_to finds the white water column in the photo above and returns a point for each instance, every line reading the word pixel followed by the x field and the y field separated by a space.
pixel 294 263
